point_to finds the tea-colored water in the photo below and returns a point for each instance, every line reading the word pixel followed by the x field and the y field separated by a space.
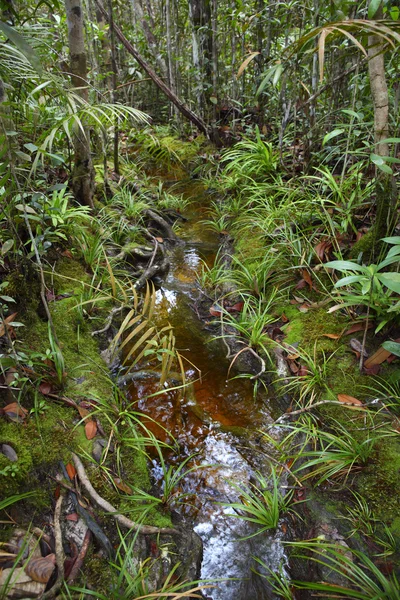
pixel 213 416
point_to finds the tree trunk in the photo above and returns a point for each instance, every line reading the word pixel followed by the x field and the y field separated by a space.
pixel 150 37
pixel 380 99
pixel 83 172
pixel 202 49
pixel 114 85
pixel 183 109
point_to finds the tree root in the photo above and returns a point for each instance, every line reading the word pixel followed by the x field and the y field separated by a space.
pixel 107 507
pixel 150 272
pixel 109 320
pixel 165 227
pixel 59 551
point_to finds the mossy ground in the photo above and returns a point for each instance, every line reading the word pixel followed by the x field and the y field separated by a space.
pixel 337 368
pixel 53 431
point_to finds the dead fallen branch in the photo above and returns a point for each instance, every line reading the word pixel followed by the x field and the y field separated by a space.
pixel 107 507
pixel 80 558
pixel 59 551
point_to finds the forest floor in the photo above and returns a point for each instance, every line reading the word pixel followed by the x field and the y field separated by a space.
pixel 251 284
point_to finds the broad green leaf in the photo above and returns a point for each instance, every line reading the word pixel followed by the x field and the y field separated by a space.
pixel 344 265
pixel 373 7
pixel 380 162
pixel 391 281
pixel 349 279
pixel 352 113
pixel 26 208
pixel 395 239
pixel 7 246
pixel 30 147
pixel 393 140
pixel 331 135
pixel 393 347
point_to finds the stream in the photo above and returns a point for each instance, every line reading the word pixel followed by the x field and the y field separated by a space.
pixel 215 418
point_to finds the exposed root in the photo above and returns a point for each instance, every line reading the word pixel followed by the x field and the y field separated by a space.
pixel 109 320
pixel 107 507
pixel 165 227
pixel 150 272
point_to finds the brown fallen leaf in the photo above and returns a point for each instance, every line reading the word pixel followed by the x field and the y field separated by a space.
pixel 71 470
pixel 45 388
pixel 90 429
pixel 215 311
pixel 304 308
pixel 346 399
pixel 121 485
pixel 293 366
pixel 332 336
pixel 82 411
pixel 374 370
pixel 41 569
pixel 284 318
pixel 300 285
pixel 67 254
pixel 159 240
pixel 5 323
pixel 307 278
pixel 303 371
pixel 357 327
pixel 15 412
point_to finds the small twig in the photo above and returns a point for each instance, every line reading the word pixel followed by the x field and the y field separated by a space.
pixel 364 340
pixel 311 406
pixel 81 557
pixel 109 508
pixel 59 551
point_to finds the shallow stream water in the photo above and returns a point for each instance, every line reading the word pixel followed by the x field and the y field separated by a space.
pixel 217 418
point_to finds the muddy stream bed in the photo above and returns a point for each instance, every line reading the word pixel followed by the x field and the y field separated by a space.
pixel 217 418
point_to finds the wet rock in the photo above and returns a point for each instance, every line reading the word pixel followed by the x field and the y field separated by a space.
pixel 9 452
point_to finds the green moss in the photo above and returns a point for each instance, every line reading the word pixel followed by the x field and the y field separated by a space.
pixel 364 246
pixel 380 482
pixel 40 444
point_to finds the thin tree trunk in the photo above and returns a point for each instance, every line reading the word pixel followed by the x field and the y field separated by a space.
pixel 83 172
pixel 150 37
pixel 183 109
pixel 380 99
pixel 114 85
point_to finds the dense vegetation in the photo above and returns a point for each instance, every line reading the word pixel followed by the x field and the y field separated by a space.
pixel 282 120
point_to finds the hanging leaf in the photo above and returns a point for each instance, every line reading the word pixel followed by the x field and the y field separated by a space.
pixel 90 429
pixel 373 7
pixel 346 399
pixel 246 62
pixel 22 45
pixel 331 135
